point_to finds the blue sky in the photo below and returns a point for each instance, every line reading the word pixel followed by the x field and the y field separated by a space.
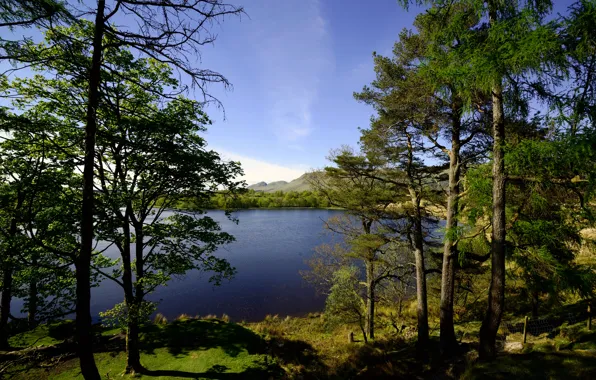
pixel 294 65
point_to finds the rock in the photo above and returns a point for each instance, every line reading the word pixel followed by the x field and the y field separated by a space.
pixel 513 346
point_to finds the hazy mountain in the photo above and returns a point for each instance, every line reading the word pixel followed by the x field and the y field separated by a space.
pixel 299 184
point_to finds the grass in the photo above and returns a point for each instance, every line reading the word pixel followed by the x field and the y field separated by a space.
pixel 536 365
pixel 186 348
pixel 212 363
pixel 44 335
pixel 308 348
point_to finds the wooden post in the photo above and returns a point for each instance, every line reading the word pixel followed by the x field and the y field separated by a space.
pixel 525 328
pixel 351 337
pixel 589 318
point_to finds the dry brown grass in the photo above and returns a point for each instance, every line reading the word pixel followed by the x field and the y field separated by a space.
pixel 160 319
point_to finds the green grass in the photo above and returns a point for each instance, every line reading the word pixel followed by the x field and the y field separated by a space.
pixel 536 365
pixel 43 335
pixel 212 363
pixel 192 348
pixel 569 354
pixel 304 348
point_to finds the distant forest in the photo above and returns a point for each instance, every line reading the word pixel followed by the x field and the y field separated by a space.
pixel 277 199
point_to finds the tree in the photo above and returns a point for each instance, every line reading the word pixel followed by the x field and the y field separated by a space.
pixel 26 13
pixel 171 32
pixel 367 202
pixel 344 305
pixel 453 131
pixel 38 201
pixel 150 158
pixel 162 158
pixel 396 141
pixel 518 44
pixel 552 190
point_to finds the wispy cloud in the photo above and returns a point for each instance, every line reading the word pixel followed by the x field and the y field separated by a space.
pixel 257 170
pixel 294 48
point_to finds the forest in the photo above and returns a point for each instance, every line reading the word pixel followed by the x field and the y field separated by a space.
pixel 468 203
pixel 258 199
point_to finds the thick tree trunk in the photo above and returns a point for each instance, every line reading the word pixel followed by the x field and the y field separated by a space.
pixel 496 295
pixel 5 305
pixel 133 360
pixel 7 279
pixel 370 300
pixel 450 252
pixel 133 357
pixel 83 262
pixel 421 295
pixel 32 309
pixel 418 247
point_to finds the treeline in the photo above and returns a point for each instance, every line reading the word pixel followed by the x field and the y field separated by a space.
pixel 277 199
pixel 457 136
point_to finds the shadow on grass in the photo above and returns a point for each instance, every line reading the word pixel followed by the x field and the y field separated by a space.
pixel 296 353
pixel 250 374
pixel 536 365
pixel 182 336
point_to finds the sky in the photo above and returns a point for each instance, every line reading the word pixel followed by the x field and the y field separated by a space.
pixel 294 65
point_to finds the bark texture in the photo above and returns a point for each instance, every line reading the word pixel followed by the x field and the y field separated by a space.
pixel 83 261
pixel 5 305
pixel 370 300
pixel 450 252
pixel 496 295
pixel 7 280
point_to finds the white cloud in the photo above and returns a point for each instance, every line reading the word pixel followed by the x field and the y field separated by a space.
pixel 256 170
pixel 294 48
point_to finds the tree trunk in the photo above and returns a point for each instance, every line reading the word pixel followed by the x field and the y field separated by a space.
pixel 422 304
pixel 133 356
pixel 363 333
pixel 496 295
pixel 83 262
pixel 421 295
pixel 418 247
pixel 370 300
pixel 450 252
pixel 7 279
pixel 5 305
pixel 535 304
pixel 133 362
pixel 32 309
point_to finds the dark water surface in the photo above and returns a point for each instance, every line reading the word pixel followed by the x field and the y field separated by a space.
pixel 270 249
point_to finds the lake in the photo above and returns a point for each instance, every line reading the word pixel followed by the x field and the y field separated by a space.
pixel 270 249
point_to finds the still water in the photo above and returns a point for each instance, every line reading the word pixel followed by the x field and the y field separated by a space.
pixel 270 249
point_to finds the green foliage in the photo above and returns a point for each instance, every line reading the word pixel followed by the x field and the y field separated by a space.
pixel 121 315
pixel 23 13
pixel 259 199
pixel 151 156
pixel 344 304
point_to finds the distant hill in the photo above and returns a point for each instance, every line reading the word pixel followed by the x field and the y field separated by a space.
pixel 299 184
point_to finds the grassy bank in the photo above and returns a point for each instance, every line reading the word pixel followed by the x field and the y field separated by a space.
pixel 298 348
